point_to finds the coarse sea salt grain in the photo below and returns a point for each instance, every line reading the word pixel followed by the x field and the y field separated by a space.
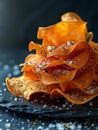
pixel 44 106
pixel 49 48
pixel 7 120
pixel 1 120
pixel 9 75
pixel 6 110
pixel 59 126
pixel 3 83
pixel 15 67
pixel 16 72
pixel 7 125
pixel 90 103
pixel 15 99
pixel 35 100
pixel 12 119
pixel 22 128
pixel 6 67
pixel 39 128
pixel 79 127
pixel 4 89
pixel 0 94
pixel 51 125
pixel 72 127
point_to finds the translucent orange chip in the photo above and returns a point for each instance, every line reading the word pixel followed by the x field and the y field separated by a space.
pixel 63 32
pixel 74 96
pixel 39 48
pixel 29 72
pixel 86 74
pixel 25 87
pixel 57 76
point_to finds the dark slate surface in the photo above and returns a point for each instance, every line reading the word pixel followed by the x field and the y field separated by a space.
pixel 34 115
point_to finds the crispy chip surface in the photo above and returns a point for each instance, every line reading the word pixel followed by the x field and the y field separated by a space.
pixel 64 65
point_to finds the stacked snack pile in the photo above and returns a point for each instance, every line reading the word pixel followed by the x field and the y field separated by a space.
pixel 64 65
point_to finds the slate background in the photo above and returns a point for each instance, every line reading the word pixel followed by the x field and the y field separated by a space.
pixel 20 19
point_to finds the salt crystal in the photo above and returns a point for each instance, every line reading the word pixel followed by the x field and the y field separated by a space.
pixel 67 108
pixel 0 120
pixel 30 129
pixel 70 105
pixel 92 91
pixel 39 128
pixel 11 98
pixel 44 106
pixel 6 67
pixel 22 128
pixel 37 69
pixel 79 126
pixel 35 100
pixel 3 83
pixel 56 106
pixel 92 124
pixel 90 103
pixel 43 123
pixel 4 89
pixel 68 43
pixel 22 122
pixel 6 110
pixel 52 105
pixel 44 64
pixel 15 99
pixel 96 128
pixel 60 108
pixel 12 119
pixel 59 126
pixel 16 72
pixel 7 120
pixel 72 127
pixel 49 48
pixel 15 67
pixel 64 105
pixel 51 125
pixel 28 120
pixel 7 125
pixel 9 75
pixel 70 62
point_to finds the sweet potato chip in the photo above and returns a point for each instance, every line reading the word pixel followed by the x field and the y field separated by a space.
pixel 86 74
pixel 64 65
pixel 71 16
pixel 57 76
pixel 74 96
pixel 39 48
pixel 63 32
pixel 29 72
pixel 24 87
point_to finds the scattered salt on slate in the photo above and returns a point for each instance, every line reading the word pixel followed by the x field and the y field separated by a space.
pixel 13 69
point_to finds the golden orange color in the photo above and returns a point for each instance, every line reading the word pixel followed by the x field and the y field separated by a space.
pixel 64 65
